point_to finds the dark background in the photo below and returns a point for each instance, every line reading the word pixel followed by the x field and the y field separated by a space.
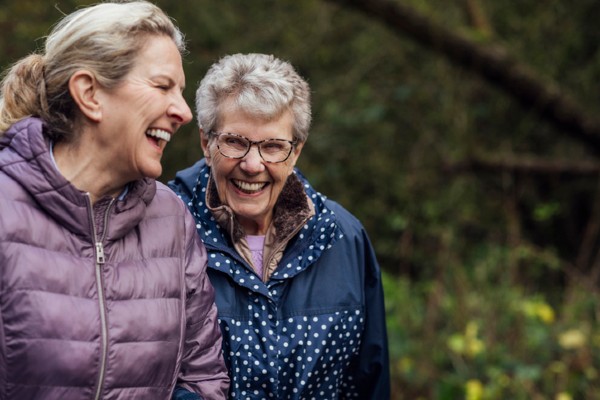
pixel 465 136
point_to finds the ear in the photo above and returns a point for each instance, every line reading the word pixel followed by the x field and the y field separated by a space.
pixel 83 87
pixel 204 141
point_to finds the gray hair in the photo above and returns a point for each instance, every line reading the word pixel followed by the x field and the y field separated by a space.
pixel 259 85
pixel 104 38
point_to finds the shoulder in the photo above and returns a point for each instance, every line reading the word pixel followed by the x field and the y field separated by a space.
pixel 14 196
pixel 169 216
pixel 185 180
pixel 11 189
pixel 343 216
pixel 20 212
pixel 350 229
pixel 166 201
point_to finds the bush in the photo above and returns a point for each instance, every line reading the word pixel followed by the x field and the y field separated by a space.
pixel 466 336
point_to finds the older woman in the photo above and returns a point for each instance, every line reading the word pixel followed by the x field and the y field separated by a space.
pixel 297 285
pixel 104 292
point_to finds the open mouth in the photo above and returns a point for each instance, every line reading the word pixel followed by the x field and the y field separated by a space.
pixel 158 136
pixel 249 187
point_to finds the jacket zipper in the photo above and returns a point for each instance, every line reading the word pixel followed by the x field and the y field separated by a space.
pixel 100 259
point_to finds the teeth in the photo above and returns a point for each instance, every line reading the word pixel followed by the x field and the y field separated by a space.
pixel 159 133
pixel 249 187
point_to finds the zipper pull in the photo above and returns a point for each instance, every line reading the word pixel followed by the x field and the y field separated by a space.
pixel 99 253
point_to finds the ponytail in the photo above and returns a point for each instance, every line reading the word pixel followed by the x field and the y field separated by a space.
pixel 96 38
pixel 22 91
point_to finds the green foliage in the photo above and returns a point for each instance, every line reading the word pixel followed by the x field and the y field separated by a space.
pixel 479 337
pixel 490 276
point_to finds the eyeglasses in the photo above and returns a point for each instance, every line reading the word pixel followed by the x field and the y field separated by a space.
pixel 270 150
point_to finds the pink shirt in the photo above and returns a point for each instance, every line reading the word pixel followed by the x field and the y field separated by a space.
pixel 256 245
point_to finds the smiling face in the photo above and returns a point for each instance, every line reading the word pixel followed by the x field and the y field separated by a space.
pixel 140 115
pixel 249 185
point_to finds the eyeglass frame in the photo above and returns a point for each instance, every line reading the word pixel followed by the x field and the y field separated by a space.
pixel 251 143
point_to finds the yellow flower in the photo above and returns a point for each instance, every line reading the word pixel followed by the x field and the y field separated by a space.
pixel 456 343
pixel 474 345
pixel 545 312
pixel 572 339
pixel 468 344
pixel 538 309
pixel 473 390
pixel 563 396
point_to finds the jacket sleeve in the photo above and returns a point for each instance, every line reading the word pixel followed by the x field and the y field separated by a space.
pixel 372 374
pixel 202 369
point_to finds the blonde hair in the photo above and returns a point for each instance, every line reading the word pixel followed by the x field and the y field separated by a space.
pixel 259 85
pixel 104 39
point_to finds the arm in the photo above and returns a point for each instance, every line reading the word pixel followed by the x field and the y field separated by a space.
pixel 372 375
pixel 202 370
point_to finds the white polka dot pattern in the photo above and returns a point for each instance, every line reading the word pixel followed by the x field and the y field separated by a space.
pixel 274 352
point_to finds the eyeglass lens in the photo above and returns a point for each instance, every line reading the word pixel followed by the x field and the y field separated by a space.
pixel 271 150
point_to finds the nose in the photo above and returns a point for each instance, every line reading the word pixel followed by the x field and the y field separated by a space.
pixel 180 111
pixel 252 162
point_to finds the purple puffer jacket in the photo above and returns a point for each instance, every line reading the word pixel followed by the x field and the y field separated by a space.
pixel 105 303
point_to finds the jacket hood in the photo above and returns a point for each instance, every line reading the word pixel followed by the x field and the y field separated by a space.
pixel 25 157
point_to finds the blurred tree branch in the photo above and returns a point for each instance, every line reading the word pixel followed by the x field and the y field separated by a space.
pixel 493 63
pixel 522 164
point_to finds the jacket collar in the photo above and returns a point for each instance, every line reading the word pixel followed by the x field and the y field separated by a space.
pixel 318 233
pixel 25 157
pixel 291 209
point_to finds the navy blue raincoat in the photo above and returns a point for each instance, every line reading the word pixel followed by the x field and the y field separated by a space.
pixel 316 328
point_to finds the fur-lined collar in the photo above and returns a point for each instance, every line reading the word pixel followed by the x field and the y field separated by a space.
pixel 292 208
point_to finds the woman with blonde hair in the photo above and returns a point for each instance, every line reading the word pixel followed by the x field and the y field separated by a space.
pixel 103 284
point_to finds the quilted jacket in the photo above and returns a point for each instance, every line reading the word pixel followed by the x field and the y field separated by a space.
pixel 103 302
pixel 315 327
